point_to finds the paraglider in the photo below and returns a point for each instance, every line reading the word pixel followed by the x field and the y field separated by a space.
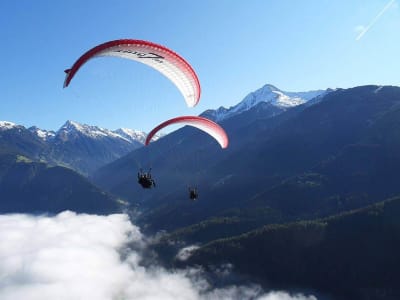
pixel 206 125
pixel 162 59
pixel 193 195
pixel 145 179
pixel 172 66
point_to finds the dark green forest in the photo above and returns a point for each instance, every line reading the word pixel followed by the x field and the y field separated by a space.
pixel 354 254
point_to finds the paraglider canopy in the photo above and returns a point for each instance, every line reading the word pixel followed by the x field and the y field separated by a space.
pixel 164 60
pixel 206 125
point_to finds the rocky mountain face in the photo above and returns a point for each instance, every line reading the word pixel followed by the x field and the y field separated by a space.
pixel 86 148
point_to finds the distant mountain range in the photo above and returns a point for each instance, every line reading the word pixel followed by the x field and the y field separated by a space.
pixel 81 147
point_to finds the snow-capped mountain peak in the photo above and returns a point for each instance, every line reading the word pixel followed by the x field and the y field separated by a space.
pixel 267 94
pixel 271 94
pixel 73 129
pixel 5 125
pixel 41 133
pixel 131 134
pixel 72 125
pixel 82 147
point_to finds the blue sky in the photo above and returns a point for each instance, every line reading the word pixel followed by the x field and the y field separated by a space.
pixel 235 46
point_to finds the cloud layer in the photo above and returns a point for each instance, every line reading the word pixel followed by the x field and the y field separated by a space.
pixel 78 256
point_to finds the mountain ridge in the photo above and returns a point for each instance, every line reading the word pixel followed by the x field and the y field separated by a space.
pixel 79 146
pixel 269 93
pixel 86 148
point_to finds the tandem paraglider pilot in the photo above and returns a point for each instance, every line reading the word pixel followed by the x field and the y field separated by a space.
pixel 193 194
pixel 145 179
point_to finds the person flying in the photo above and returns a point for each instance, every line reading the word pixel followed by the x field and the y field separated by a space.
pixel 193 194
pixel 145 179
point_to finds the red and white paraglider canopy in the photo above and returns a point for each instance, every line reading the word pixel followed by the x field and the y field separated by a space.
pixel 206 125
pixel 164 60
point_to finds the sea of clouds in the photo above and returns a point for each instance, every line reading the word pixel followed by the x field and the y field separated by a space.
pixel 80 256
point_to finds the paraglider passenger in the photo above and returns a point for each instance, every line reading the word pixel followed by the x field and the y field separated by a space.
pixel 193 195
pixel 145 180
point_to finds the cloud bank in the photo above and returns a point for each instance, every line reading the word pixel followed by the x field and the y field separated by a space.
pixel 79 256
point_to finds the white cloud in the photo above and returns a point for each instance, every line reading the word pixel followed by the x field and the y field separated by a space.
pixel 77 256
pixel 279 295
pixel 186 252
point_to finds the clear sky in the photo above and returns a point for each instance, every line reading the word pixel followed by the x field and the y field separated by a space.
pixel 235 46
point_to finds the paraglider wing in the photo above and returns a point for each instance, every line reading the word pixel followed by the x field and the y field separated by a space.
pixel 164 60
pixel 208 126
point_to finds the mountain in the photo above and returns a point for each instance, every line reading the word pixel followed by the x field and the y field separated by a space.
pixel 353 255
pixel 85 148
pixel 295 201
pixel 270 94
pixel 132 135
pixel 17 139
pixel 45 135
pixel 27 186
pixel 5 125
pixel 276 169
pixel 81 147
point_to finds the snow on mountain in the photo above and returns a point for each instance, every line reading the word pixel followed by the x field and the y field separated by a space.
pixel 72 129
pixel 81 147
pixel 45 135
pixel 86 148
pixel 5 125
pixel 42 134
pixel 136 135
pixel 131 134
pixel 268 94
